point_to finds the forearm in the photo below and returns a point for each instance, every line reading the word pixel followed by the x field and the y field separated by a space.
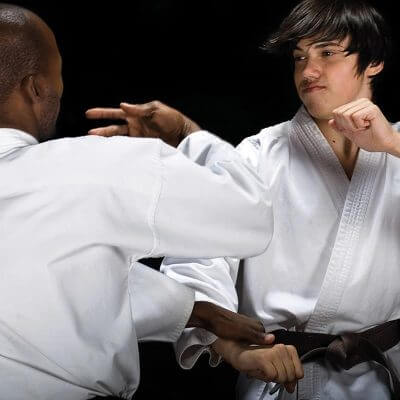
pixel 395 149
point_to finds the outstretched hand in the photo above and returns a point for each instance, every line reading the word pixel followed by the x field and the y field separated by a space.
pixel 228 325
pixel 154 120
pixel 364 124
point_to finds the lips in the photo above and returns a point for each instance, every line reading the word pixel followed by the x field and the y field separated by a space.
pixel 313 88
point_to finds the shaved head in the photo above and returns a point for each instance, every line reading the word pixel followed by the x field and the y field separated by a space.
pixel 20 47
pixel 28 49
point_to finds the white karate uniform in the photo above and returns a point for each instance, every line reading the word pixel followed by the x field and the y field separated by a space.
pixel 333 264
pixel 76 215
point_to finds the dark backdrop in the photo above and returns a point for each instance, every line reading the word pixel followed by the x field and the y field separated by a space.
pixel 203 58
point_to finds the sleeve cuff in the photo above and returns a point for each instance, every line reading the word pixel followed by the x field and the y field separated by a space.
pixel 161 307
pixel 192 344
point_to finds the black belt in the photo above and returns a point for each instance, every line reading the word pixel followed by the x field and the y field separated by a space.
pixel 348 349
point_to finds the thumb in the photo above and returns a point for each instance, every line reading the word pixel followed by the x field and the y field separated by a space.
pixel 332 123
pixel 262 339
pixel 269 338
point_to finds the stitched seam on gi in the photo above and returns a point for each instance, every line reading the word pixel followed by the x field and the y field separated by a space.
pixel 343 252
pixel 151 218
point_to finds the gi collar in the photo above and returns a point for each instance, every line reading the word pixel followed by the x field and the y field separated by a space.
pixel 12 139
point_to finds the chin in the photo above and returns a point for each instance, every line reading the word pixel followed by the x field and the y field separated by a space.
pixel 318 112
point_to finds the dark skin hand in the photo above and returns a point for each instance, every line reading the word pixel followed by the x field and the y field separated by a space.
pixel 227 324
pixel 152 120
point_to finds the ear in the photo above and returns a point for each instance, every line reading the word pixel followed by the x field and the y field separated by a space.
pixel 374 69
pixel 31 88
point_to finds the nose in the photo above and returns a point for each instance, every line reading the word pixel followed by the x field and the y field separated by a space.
pixel 312 69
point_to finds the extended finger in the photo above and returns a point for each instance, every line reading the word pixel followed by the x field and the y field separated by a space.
pixel 105 113
pixel 112 130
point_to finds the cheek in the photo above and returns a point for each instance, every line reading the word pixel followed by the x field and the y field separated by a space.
pixel 297 78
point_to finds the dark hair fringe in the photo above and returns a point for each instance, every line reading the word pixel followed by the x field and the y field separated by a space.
pixel 328 20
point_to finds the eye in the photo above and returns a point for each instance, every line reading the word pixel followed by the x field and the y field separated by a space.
pixel 327 53
pixel 299 58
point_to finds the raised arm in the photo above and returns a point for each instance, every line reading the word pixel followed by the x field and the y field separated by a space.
pixel 364 124
pixel 209 202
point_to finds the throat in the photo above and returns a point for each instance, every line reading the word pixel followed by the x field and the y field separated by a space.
pixel 346 152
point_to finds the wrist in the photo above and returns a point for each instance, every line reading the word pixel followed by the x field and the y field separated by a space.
pixel 202 314
pixel 395 148
pixel 225 349
pixel 189 127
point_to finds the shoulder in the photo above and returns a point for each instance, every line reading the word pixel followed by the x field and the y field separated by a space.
pixel 93 159
pixel 266 143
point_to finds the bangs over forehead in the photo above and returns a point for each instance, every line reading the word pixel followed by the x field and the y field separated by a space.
pixel 334 20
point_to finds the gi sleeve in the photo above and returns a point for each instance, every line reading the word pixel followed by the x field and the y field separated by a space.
pixel 213 281
pixel 161 307
pixel 215 206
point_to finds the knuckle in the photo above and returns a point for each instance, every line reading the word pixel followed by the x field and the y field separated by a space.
pixel 155 103
pixel 291 348
pixel 280 347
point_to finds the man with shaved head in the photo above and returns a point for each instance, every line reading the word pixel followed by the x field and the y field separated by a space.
pixel 77 215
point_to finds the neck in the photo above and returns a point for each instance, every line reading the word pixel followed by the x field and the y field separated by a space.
pixel 346 151
pixel 15 117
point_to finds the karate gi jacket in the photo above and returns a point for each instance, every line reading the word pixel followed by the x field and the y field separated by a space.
pixel 76 216
pixel 332 266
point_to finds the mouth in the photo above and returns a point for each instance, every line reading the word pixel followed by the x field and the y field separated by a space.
pixel 314 88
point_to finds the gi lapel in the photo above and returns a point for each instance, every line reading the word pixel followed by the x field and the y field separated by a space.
pixel 307 131
pixel 351 199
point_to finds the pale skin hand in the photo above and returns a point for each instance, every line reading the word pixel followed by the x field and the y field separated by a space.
pixel 154 120
pixel 363 123
pixel 273 363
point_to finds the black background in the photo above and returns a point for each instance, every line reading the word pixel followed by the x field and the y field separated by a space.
pixel 203 58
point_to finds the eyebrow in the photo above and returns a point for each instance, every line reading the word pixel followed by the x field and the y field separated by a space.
pixel 321 45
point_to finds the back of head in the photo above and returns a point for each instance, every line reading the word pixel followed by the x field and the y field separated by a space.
pixel 328 20
pixel 20 48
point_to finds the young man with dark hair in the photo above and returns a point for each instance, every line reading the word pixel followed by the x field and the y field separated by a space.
pixel 329 281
